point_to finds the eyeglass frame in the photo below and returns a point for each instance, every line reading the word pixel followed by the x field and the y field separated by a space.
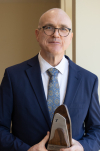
pixel 54 30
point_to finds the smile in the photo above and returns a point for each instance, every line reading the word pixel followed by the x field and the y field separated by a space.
pixel 54 42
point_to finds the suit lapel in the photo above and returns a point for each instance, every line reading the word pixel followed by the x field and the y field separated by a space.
pixel 34 75
pixel 74 80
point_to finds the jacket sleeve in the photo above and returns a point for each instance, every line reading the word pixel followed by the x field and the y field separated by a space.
pixel 91 139
pixel 8 142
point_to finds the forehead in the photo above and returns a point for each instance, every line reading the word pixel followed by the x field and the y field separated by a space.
pixel 56 18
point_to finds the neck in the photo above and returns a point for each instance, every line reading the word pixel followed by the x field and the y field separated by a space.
pixel 53 60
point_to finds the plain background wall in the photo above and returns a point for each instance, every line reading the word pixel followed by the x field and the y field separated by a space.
pixel 18 21
pixel 88 35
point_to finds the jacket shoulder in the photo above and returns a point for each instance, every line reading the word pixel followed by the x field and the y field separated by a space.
pixel 23 65
pixel 84 72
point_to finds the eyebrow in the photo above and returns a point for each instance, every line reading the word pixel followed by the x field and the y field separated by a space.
pixel 61 25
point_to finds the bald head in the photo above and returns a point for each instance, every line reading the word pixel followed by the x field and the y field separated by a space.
pixel 54 14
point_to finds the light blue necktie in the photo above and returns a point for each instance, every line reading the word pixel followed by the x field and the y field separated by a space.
pixel 53 98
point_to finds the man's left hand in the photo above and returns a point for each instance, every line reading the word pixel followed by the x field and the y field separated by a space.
pixel 76 146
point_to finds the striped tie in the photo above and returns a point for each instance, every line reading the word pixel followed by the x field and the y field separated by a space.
pixel 53 98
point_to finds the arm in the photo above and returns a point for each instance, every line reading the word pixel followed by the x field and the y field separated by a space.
pixel 91 139
pixel 8 142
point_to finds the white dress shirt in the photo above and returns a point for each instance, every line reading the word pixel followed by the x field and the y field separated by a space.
pixel 63 68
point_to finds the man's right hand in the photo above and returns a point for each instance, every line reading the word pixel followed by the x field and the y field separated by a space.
pixel 41 145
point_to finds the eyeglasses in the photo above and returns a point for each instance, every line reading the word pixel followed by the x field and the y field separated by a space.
pixel 50 30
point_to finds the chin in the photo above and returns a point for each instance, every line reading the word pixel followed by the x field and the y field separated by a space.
pixel 57 52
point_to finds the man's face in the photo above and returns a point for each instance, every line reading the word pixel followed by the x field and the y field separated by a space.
pixel 55 44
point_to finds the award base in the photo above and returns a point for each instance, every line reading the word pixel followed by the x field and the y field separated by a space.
pixel 55 147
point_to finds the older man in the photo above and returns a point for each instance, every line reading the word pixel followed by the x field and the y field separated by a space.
pixel 24 93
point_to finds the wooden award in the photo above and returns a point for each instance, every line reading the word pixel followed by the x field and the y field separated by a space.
pixel 61 131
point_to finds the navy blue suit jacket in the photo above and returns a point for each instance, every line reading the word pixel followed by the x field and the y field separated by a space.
pixel 22 101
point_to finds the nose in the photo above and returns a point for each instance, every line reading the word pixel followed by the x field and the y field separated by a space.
pixel 56 33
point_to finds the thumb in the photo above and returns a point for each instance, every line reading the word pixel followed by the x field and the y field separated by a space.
pixel 45 139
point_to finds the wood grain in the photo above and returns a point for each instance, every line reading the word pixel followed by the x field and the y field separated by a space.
pixel 59 136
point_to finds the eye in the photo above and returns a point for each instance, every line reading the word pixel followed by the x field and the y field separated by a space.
pixel 63 28
pixel 48 27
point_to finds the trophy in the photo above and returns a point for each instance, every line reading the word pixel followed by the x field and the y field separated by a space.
pixel 61 131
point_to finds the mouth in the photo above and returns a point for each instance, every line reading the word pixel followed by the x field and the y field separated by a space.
pixel 54 42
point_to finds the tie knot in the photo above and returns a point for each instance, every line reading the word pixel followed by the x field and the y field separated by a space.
pixel 52 72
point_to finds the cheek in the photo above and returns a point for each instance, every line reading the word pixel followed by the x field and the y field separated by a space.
pixel 66 43
pixel 42 41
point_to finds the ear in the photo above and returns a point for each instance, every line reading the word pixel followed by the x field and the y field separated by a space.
pixel 71 36
pixel 37 34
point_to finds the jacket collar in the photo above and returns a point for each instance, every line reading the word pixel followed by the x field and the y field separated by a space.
pixel 34 76
pixel 74 80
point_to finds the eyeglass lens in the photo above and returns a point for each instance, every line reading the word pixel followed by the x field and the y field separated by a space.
pixel 49 30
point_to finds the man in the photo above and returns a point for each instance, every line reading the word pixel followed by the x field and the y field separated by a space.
pixel 24 93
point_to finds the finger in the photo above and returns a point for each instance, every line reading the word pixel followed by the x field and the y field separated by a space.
pixel 48 133
pixel 45 139
pixel 73 141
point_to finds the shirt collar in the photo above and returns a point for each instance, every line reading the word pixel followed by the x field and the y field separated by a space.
pixel 44 65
